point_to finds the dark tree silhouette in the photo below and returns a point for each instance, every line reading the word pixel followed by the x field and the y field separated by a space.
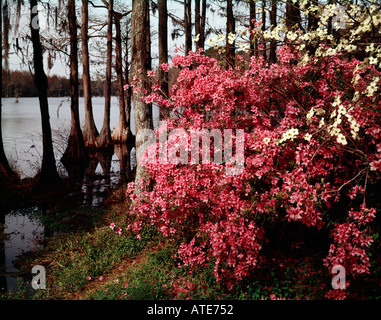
pixel 6 173
pixel 120 133
pixel 273 23
pixel 48 175
pixel 104 139
pixel 90 131
pixel 188 25
pixel 163 51
pixel 230 29
pixel 75 151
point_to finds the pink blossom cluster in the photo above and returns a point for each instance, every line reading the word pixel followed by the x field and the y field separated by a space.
pixel 308 144
pixel 118 230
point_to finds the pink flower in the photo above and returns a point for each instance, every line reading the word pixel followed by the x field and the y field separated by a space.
pixel 126 86
pixel 101 278
pixel 88 278
pixel 112 225
pixel 303 177
pixel 118 230
pixel 294 214
pixel 165 66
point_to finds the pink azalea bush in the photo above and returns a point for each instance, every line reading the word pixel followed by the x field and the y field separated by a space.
pixel 312 141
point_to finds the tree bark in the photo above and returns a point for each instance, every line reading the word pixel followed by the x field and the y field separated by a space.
pixel 128 92
pixel 48 175
pixel 163 52
pixel 197 21
pixel 104 139
pixel 6 173
pixel 5 44
pixel 293 18
pixel 139 67
pixel 5 39
pixel 253 41
pixel 120 134
pixel 273 22
pixel 312 26
pixel 75 152
pixel 230 29
pixel 188 25
pixel 90 131
pixel 264 53
pixel 201 40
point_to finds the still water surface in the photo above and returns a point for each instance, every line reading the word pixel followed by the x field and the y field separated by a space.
pixel 20 230
pixel 21 127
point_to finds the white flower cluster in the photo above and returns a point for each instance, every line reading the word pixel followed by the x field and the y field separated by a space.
pixel 290 134
pixel 334 129
pixel 373 87
pixel 266 140
pixel 240 39
pixel 276 33
pixel 312 112
pixel 219 41
pixel 308 136
pixel 231 38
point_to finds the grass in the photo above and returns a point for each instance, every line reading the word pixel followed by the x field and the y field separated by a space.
pixel 147 278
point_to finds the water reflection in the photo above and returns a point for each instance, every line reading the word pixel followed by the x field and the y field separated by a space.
pixel 89 186
pixel 20 232
pixel 104 172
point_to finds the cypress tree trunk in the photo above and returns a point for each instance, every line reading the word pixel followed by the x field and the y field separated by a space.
pixel 253 41
pixel 6 173
pixel 188 25
pixel 90 131
pixel 230 29
pixel 121 131
pixel 163 52
pixel 104 139
pixel 203 21
pixel 197 21
pixel 48 175
pixel 273 22
pixel 293 18
pixel 264 53
pixel 5 39
pixel 75 152
pixel 139 67
pixel 128 92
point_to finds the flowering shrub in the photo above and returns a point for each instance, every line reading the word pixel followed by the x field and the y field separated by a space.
pixel 312 143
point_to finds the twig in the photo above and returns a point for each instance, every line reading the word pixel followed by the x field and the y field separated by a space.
pixel 349 181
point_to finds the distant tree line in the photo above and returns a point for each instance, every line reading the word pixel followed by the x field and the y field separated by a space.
pixel 21 84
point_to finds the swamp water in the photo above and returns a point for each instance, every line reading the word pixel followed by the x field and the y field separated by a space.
pixel 19 232
pixel 20 229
